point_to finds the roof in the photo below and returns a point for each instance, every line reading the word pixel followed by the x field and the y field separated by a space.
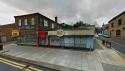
pixel 35 14
pixel 7 25
pixel 74 32
pixel 117 16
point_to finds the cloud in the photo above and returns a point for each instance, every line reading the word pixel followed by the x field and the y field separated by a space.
pixel 70 11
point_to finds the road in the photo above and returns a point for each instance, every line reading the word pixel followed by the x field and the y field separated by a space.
pixel 7 64
pixel 116 44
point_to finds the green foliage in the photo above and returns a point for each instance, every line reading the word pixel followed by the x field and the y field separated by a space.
pixel 80 23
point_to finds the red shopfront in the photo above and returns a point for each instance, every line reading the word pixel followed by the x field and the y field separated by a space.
pixel 42 38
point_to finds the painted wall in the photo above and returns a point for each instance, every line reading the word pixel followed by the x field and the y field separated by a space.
pixel 90 42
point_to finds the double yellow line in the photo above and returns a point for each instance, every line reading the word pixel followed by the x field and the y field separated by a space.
pixel 18 65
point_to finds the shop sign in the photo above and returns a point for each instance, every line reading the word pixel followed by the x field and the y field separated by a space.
pixel 60 33
pixel 42 34
pixel 15 33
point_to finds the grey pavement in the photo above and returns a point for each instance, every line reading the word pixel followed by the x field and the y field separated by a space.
pixel 80 60
pixel 117 44
pixel 75 59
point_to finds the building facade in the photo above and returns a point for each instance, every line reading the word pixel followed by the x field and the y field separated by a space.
pixel 6 32
pixel 33 28
pixel 116 26
pixel 71 38
pixel 36 29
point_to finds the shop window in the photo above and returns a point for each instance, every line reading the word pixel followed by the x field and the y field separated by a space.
pixel 19 22
pixel 33 21
pixel 26 22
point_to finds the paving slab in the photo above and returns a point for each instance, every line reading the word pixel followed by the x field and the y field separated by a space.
pixel 75 59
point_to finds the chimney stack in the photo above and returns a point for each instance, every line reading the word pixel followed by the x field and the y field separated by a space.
pixel 56 19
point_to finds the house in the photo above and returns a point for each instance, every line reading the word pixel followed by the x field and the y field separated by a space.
pixel 6 32
pixel 116 26
pixel 33 28
pixel 37 29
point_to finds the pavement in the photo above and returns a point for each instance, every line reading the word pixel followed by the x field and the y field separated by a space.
pixel 9 64
pixel 67 59
pixel 117 44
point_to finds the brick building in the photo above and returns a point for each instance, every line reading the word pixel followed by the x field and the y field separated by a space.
pixel 6 32
pixel 33 28
pixel 116 26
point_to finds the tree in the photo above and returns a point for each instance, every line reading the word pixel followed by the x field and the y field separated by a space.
pixel 79 23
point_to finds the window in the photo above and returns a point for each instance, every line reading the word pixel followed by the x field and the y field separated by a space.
pixel 19 22
pixel 45 23
pixel 32 21
pixel 112 25
pixel 52 25
pixel 118 33
pixel 26 22
pixel 119 22
pixel 41 22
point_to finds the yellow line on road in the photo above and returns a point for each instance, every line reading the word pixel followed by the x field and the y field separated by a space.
pixel 13 62
pixel 18 65
pixel 35 69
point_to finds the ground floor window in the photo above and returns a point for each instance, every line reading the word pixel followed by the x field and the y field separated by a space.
pixel 118 33
pixel 27 37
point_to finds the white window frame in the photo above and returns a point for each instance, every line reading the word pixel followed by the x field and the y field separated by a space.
pixel 26 22
pixel 45 23
pixel 32 21
pixel 19 22
pixel 53 25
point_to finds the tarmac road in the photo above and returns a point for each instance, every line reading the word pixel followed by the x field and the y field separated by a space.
pixel 116 44
pixel 7 64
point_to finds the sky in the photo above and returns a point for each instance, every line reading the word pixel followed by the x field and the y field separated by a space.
pixel 94 12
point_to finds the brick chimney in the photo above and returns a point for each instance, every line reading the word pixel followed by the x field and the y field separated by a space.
pixel 56 19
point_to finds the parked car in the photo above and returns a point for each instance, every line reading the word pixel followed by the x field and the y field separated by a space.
pixel 96 36
pixel 99 34
pixel 107 36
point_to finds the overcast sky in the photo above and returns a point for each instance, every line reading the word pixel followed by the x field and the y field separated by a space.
pixel 68 11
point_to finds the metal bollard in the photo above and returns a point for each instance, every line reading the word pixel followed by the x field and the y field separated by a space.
pixel 103 42
pixel 1 45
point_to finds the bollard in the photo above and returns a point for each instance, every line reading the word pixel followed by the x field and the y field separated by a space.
pixel 1 45
pixel 103 42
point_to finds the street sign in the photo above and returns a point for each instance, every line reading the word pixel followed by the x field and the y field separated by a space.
pixel 15 33
pixel 60 33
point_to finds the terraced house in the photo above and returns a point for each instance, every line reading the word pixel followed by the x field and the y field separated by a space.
pixel 33 28
pixel 6 32
pixel 116 26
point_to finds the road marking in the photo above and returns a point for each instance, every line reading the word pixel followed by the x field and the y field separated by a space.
pixel 118 44
pixel 13 62
pixel 35 69
pixel 18 65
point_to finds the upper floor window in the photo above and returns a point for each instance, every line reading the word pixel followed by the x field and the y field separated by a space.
pixel 19 22
pixel 112 25
pixel 32 21
pixel 52 25
pixel 45 23
pixel 26 23
pixel 119 22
